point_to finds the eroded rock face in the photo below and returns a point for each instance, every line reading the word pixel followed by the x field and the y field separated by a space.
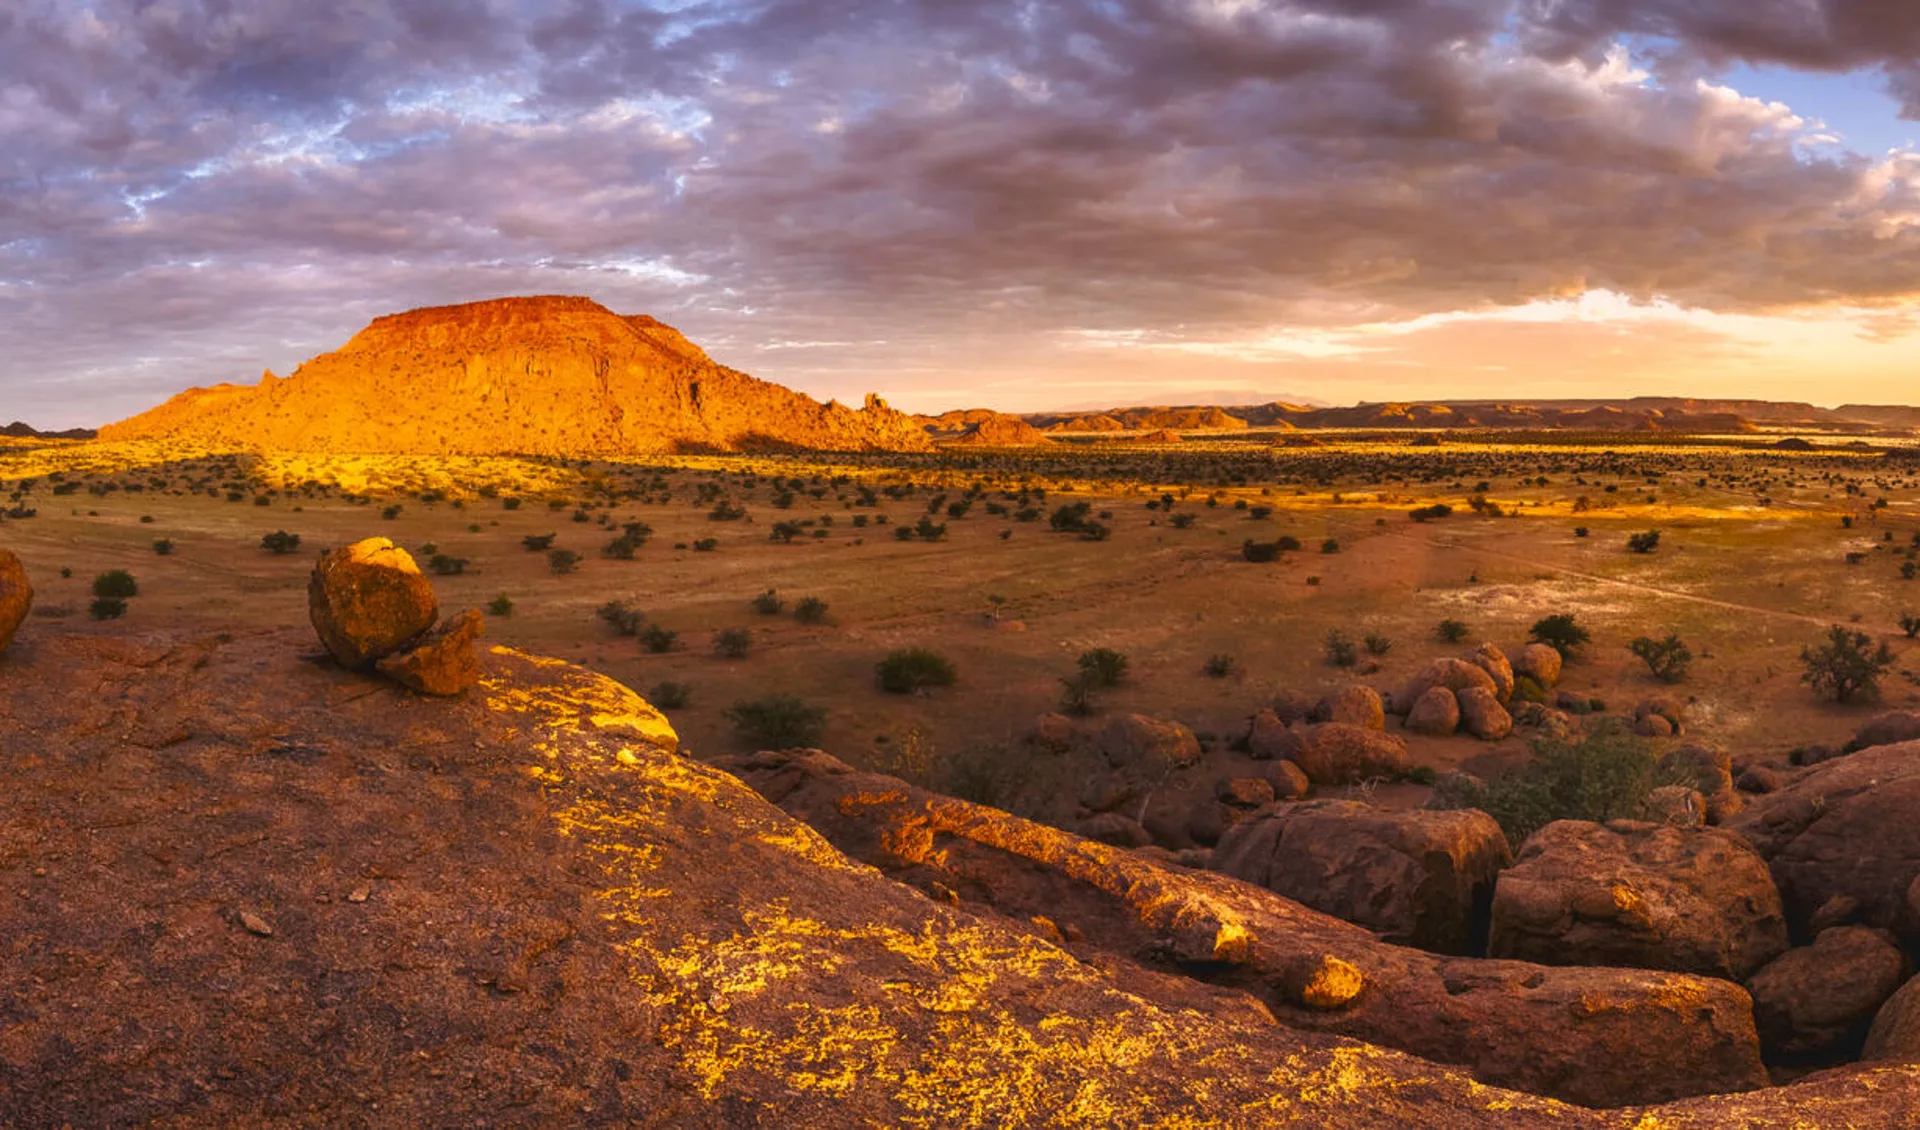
pixel 1436 714
pixel 1334 753
pixel 1650 896
pixel 1596 1036
pixel 1819 999
pixel 16 596
pixel 1847 827
pixel 369 600
pixel 1454 674
pixel 1419 878
pixel 442 662
pixel 1541 663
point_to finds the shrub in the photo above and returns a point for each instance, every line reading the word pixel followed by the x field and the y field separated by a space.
pixel 560 562
pixel 1095 531
pixel 1071 516
pixel 1644 543
pixel 1260 552
pixel 659 640
pixel 780 721
pixel 1668 659
pixel 446 566
pixel 768 603
pixel 623 617
pixel 116 584
pixel 1182 521
pixel 1526 690
pixel 280 543
pixel 1910 624
pixel 390 513
pixel 1847 666
pixel 1378 644
pixel 1104 666
pixel 1559 632
pixel 1428 513
pixel 810 610
pixel 706 545
pixel 1603 776
pixel 669 695
pixel 1077 695
pixel 733 643
pixel 914 669
pixel 726 512
pixel 633 535
pixel 163 546
pixel 1341 651
pixel 785 532
pixel 1219 666
pixel 1452 631
pixel 1331 545
pixel 538 543
pixel 928 530
pixel 1580 531
pixel 107 608
pixel 501 605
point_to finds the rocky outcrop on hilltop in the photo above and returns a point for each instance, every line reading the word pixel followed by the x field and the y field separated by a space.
pixel 556 376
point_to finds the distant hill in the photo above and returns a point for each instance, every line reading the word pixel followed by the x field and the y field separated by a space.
pixel 538 376
pixel 19 430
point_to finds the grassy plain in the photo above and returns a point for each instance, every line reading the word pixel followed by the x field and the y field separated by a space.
pixel 1752 564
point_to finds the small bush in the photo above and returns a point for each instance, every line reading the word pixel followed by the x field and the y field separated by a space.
pixel 538 543
pixel 1581 531
pixel 116 584
pixel 623 617
pixel 560 562
pixel 914 669
pixel 1260 552
pixel 780 721
pixel 1182 521
pixel 1559 632
pixel 1219 666
pixel 659 640
pixel 810 610
pixel 1104 666
pixel 768 603
pixel 706 545
pixel 1644 543
pixel 1910 624
pixel 1847 666
pixel 501 605
pixel 1667 658
pixel 669 695
pixel 1603 776
pixel 1341 651
pixel 1331 545
pixel 280 543
pixel 733 643
pixel 1429 513
pixel 163 547
pixel 1077 695
pixel 1378 644
pixel 107 608
pixel 1452 631
pixel 447 566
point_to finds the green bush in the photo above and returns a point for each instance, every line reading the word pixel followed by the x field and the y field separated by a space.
pixel 1077 695
pixel 768 603
pixel 560 562
pixel 107 608
pixel 1104 666
pixel 1526 690
pixel 1644 543
pixel 669 695
pixel 1378 644
pixel 1219 666
pixel 810 610
pixel 1559 632
pixel 1847 666
pixel 1667 658
pixel 914 669
pixel 780 721
pixel 1452 631
pixel 280 543
pixel 623 617
pixel 1340 649
pixel 538 543
pixel 501 605
pixel 447 566
pixel 733 643
pixel 116 584
pixel 1604 776
pixel 163 547
pixel 659 640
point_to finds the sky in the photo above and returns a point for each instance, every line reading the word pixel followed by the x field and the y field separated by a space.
pixel 1022 205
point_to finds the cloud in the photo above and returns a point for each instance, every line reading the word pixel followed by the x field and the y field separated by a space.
pixel 193 189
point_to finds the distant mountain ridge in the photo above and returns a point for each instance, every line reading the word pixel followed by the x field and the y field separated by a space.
pixel 22 430
pixel 550 375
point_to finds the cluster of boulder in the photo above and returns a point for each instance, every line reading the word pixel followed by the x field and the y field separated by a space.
pixel 374 610
pixel 1473 694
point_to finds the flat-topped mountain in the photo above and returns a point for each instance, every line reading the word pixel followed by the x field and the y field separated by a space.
pixel 540 376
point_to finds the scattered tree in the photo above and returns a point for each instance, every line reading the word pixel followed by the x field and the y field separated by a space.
pixel 1104 666
pixel 1644 543
pixel 623 617
pixel 116 584
pixel 1847 666
pixel 669 695
pixel 1667 658
pixel 560 562
pixel 914 669
pixel 810 610
pixel 733 643
pixel 1341 650
pixel 768 603
pixel 1452 631
pixel 659 640
pixel 780 721
pixel 1560 632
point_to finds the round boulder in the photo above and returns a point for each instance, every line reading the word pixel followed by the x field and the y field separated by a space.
pixel 1820 997
pixel 1436 714
pixel 1135 739
pixel 1113 828
pixel 1541 663
pixel 443 662
pixel 1482 715
pixel 1270 739
pixel 1895 1033
pixel 16 596
pixel 368 601
pixel 1355 705
pixel 1289 781
pixel 1334 753
pixel 1454 674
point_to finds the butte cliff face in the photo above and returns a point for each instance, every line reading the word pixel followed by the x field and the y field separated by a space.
pixel 535 376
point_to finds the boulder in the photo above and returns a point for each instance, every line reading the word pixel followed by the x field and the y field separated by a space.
pixel 1494 662
pixel 1541 663
pixel 1482 715
pixel 1113 828
pixel 1436 714
pixel 1845 827
pixel 1270 738
pixel 443 661
pixel 1760 779
pixel 1105 792
pixel 1354 705
pixel 1136 740
pixel 368 601
pixel 16 596
pixel 1334 753
pixel 1675 804
pixel 1691 900
pixel 1454 674
pixel 1820 999
pixel 1595 1036
pixel 1244 792
pixel 1055 732
pixel 1664 707
pixel 1211 819
pixel 1888 728
pixel 1895 1033
pixel 1289 781
pixel 1654 726
pixel 1293 706
pixel 1418 878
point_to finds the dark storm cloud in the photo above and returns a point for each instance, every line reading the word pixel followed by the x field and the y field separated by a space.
pixel 191 188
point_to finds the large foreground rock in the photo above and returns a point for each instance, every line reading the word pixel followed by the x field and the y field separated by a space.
pixel 442 662
pixel 1895 1033
pixel 1419 878
pixel 1596 1036
pixel 1651 896
pixel 1848 829
pixel 246 890
pixel 1818 1000
pixel 369 600
pixel 16 596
